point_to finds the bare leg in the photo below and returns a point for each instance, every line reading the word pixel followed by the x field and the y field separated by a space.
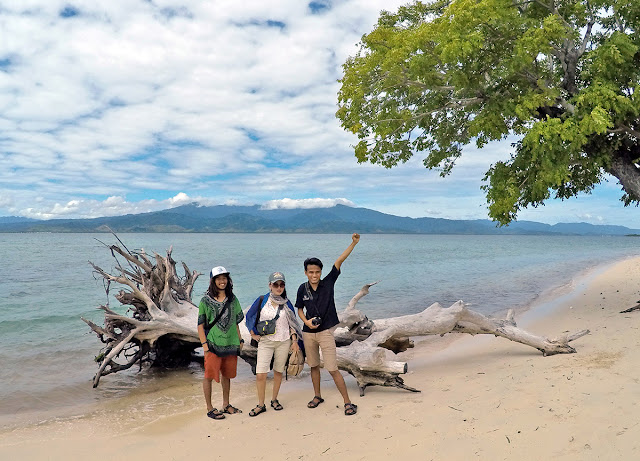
pixel 261 384
pixel 340 384
pixel 315 379
pixel 226 388
pixel 277 381
pixel 207 387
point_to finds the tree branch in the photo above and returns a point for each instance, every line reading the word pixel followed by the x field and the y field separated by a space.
pixel 627 173
pixel 585 40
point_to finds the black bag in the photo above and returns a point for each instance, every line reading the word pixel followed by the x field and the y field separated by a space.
pixel 268 327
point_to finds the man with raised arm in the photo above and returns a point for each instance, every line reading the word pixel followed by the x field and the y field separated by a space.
pixel 316 297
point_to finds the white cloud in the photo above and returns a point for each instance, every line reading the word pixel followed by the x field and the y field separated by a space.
pixel 288 204
pixel 180 199
pixel 6 201
pixel 118 205
pixel 127 107
pixel 112 206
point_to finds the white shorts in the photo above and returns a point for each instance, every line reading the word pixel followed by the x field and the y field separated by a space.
pixel 267 349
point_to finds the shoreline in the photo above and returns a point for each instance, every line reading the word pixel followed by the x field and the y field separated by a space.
pixel 160 381
pixel 491 273
pixel 482 397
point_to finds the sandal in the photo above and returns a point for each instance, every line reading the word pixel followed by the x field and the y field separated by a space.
pixel 276 405
pixel 315 402
pixel 257 410
pixel 350 409
pixel 230 409
pixel 215 414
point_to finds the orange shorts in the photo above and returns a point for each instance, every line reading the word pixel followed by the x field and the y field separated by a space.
pixel 214 365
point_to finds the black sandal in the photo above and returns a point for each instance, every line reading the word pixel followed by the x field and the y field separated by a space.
pixel 315 402
pixel 350 409
pixel 259 408
pixel 215 414
pixel 276 405
pixel 231 407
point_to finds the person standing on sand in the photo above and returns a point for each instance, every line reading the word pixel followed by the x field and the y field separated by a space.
pixel 320 320
pixel 273 306
pixel 219 315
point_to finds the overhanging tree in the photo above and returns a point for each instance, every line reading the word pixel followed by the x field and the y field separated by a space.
pixel 561 76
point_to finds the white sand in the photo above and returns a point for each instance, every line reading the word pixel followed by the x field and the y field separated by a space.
pixel 482 398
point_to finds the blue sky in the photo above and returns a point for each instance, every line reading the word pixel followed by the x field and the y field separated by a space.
pixel 119 107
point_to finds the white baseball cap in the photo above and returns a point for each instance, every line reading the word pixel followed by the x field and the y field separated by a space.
pixel 218 270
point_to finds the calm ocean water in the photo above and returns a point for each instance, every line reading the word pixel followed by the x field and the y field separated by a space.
pixel 47 284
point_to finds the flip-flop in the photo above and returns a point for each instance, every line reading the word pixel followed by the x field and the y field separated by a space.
pixel 315 402
pixel 350 409
pixel 259 408
pixel 231 407
pixel 276 405
pixel 215 414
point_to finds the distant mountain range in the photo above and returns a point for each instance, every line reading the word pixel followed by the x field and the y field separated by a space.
pixel 337 219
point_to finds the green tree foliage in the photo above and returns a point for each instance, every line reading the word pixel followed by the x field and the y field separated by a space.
pixel 562 76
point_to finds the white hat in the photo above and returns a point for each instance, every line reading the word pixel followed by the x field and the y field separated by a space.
pixel 218 270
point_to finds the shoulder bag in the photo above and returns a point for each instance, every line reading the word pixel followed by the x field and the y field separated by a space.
pixel 267 327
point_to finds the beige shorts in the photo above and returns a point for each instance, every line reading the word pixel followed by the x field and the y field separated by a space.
pixel 324 340
pixel 267 349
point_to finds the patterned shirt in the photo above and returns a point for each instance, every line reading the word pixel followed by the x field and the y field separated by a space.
pixel 222 338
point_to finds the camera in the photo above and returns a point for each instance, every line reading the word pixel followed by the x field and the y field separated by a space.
pixel 316 321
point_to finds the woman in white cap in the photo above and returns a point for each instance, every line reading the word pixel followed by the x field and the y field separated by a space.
pixel 219 315
pixel 273 306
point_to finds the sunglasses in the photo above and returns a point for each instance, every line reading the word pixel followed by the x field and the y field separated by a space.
pixel 278 284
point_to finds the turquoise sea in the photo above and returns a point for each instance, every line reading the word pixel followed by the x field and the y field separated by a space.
pixel 47 284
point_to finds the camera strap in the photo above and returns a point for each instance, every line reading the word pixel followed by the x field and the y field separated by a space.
pixel 307 287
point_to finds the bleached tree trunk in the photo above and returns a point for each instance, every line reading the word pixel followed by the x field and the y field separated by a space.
pixel 160 326
pixel 365 357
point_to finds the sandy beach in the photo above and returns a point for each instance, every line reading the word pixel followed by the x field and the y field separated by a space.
pixel 482 398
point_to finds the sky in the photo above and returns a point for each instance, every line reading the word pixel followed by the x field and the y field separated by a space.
pixel 110 108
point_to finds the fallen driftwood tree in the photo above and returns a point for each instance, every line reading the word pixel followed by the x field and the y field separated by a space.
pixel 160 326
pixel 365 356
pixel 631 309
